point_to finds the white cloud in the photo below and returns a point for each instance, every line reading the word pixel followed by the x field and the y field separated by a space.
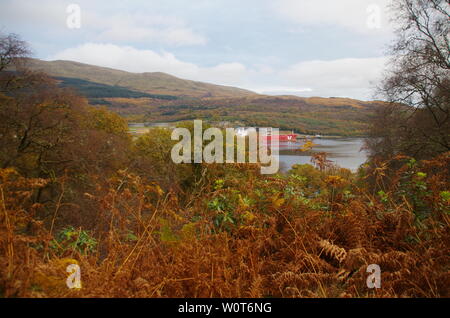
pixel 133 60
pixel 145 28
pixel 170 36
pixel 282 90
pixel 353 77
pixel 43 13
pixel 354 15
pixel 182 36
pixel 97 23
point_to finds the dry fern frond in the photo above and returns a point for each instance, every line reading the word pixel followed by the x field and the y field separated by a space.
pixel 333 251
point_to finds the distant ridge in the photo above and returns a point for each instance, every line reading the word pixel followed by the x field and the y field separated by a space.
pixel 159 97
pixel 153 83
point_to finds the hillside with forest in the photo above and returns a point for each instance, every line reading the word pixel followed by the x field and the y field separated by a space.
pixel 154 83
pixel 153 98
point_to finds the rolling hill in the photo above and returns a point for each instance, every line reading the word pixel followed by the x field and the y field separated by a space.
pixel 153 83
pixel 159 97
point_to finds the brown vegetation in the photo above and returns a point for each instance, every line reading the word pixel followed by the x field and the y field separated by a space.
pixel 246 235
pixel 76 189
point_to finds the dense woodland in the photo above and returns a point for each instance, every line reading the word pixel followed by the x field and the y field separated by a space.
pixel 75 188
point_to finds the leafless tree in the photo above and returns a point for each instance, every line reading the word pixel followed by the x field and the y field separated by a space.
pixel 419 77
pixel 12 50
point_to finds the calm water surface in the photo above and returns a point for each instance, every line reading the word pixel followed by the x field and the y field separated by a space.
pixel 345 152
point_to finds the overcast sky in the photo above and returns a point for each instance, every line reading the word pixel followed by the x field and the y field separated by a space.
pixel 303 47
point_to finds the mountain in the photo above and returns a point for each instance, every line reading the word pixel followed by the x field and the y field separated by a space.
pixel 159 97
pixel 153 83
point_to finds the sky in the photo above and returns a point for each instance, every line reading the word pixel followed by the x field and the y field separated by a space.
pixel 324 48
